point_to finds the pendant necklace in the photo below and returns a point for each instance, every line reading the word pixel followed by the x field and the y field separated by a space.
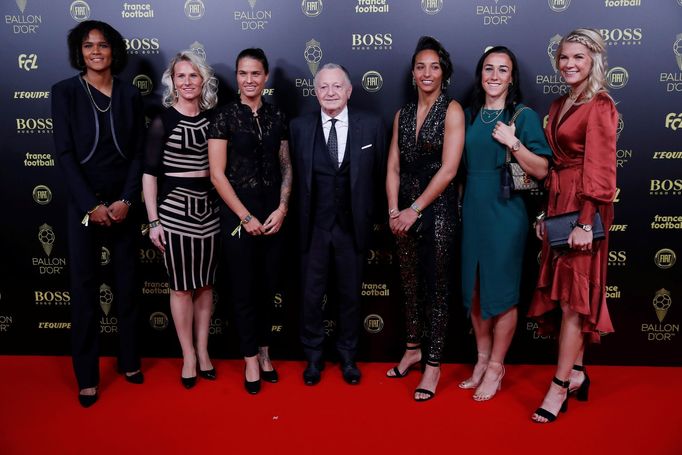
pixel 490 115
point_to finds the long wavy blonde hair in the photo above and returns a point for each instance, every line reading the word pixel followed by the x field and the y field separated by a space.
pixel 209 86
pixel 593 41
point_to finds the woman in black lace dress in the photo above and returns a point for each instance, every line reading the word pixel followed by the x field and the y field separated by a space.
pixel 425 152
pixel 181 205
pixel 250 167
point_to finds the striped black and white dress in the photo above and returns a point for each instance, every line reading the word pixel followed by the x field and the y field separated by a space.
pixel 187 207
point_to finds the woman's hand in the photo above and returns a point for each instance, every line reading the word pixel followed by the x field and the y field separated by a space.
pixel 118 211
pixel 156 235
pixel 274 222
pixel 505 134
pixel 253 227
pixel 101 216
pixel 580 240
pixel 540 229
pixel 403 222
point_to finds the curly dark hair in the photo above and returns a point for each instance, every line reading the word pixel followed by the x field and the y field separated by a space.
pixel 427 43
pixel 514 96
pixel 255 53
pixel 119 56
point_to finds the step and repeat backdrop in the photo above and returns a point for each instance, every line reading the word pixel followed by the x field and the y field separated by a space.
pixel 374 39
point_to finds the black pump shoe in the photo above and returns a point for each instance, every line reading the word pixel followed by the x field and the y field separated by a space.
pixel 269 376
pixel 188 382
pixel 88 400
pixel 253 387
pixel 208 374
pixel 135 378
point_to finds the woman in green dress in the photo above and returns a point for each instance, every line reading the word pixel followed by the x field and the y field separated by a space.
pixel 495 226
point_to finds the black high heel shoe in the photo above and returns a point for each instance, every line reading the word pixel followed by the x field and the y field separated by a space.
pixel 429 394
pixel 188 383
pixel 397 374
pixel 269 376
pixel 564 406
pixel 88 400
pixel 253 387
pixel 581 393
pixel 208 374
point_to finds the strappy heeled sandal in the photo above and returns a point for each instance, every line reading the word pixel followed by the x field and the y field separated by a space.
pixel 429 393
pixel 487 396
pixel 564 406
pixel 470 383
pixel 397 374
pixel 582 391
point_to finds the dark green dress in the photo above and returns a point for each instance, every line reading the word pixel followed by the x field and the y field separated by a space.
pixel 494 230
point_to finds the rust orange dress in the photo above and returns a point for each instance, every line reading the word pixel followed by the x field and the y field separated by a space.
pixel 583 178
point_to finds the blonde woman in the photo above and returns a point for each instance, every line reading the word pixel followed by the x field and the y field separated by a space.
pixel 581 131
pixel 182 205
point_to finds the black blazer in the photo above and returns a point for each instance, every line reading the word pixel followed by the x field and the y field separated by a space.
pixel 367 148
pixel 75 127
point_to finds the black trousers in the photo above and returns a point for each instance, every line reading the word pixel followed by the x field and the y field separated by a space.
pixel 85 252
pixel 331 250
pixel 250 274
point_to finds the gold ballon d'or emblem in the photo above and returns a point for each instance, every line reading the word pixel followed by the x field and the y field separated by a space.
pixel 313 55
pixel 46 237
pixel 106 296
pixel 661 303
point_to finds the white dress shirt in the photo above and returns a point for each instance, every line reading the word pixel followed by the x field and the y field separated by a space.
pixel 341 130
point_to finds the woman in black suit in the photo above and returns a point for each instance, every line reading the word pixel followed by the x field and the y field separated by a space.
pixel 99 135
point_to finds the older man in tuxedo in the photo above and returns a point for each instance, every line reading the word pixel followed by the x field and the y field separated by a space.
pixel 340 160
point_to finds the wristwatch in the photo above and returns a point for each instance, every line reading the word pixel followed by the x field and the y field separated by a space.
pixel 584 227
pixel 516 146
pixel 246 219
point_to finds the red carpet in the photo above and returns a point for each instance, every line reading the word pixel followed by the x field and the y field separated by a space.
pixel 631 410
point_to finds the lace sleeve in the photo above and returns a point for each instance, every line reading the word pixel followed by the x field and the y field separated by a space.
pixel 219 128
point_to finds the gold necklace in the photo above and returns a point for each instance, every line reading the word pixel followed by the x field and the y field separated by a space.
pixel 92 100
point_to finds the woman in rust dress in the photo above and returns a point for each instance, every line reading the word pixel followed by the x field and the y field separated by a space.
pixel 581 131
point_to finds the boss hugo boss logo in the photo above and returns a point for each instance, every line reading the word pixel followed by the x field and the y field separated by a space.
pixel 665 187
pixel 622 36
pixel 312 8
pixel 34 125
pixel 52 298
pixel 372 41
pixel 142 45
pixel 618 258
pixel 28 62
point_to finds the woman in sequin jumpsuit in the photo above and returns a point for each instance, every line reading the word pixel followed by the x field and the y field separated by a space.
pixel 426 148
